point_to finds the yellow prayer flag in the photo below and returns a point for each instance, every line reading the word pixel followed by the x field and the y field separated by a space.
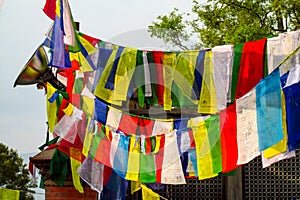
pixel 101 91
pixel 57 9
pixel 124 73
pixel 133 159
pixel 69 109
pixel 208 98
pixel 135 186
pixel 51 108
pixel 281 146
pixel 75 164
pixel 148 194
pixel 88 106
pixel 203 151
pixel 8 194
pixel 87 139
pixel 168 61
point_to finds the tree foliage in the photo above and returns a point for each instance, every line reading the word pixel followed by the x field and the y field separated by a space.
pixel 219 22
pixel 14 174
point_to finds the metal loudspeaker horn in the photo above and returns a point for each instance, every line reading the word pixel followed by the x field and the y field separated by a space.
pixel 37 71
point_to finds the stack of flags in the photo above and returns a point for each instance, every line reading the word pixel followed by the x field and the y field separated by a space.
pixel 247 102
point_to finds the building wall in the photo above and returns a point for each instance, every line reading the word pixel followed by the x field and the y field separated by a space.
pixel 68 193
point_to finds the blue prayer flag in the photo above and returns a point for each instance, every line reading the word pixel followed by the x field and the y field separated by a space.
pixel 292 101
pixel 269 111
pixel 100 111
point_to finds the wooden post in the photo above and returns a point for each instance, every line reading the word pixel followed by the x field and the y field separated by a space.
pixel 234 185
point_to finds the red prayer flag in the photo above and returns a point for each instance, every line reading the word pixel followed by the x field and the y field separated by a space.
pixel 159 158
pixel 146 126
pixel 128 124
pixel 251 67
pixel 65 147
pixel 49 9
pixel 229 147
pixel 157 57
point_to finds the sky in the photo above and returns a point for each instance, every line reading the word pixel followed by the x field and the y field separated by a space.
pixel 23 27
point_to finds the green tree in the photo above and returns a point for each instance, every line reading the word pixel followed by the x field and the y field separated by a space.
pixel 219 22
pixel 14 174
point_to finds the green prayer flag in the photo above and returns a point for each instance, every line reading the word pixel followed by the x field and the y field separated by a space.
pixel 59 167
pixel 237 50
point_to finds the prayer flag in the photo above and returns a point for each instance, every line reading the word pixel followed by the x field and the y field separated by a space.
pixel 203 151
pixel 124 74
pixel 199 69
pixel 168 60
pixel 247 135
pixel 237 56
pixel 139 78
pixel 157 57
pixel 66 128
pixel 148 194
pixel 133 168
pixel 113 118
pixel 111 78
pixel 228 126
pixel 162 127
pixel 49 9
pixel 213 131
pixel 281 146
pixel 208 100
pixel 251 67
pixel 92 173
pixel 266 162
pixel 51 107
pixel 120 156
pixel 100 111
pixel 8 194
pixel 128 124
pixel 75 164
pixel 269 114
pixel 292 99
pixel 148 89
pixel 59 167
pixel 222 63
pixel 171 169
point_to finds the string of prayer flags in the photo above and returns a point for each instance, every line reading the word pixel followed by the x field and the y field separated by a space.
pixel 268 105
